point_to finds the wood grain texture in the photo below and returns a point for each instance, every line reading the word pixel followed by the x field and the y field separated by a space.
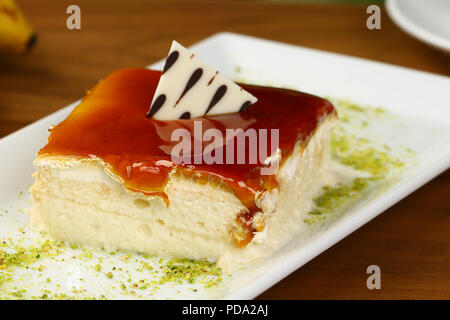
pixel 410 241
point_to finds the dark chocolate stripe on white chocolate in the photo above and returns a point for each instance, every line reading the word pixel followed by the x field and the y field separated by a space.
pixel 171 59
pixel 156 105
pixel 186 115
pixel 196 75
pixel 212 79
pixel 245 106
pixel 220 92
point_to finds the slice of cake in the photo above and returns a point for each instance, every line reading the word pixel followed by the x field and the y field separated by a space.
pixel 107 177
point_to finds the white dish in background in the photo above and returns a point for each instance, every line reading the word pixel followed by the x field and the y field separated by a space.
pixel 421 102
pixel 427 21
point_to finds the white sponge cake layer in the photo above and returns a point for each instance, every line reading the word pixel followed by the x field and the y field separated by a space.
pixel 79 201
pixel 84 205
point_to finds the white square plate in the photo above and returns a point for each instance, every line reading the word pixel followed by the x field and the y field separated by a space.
pixel 420 101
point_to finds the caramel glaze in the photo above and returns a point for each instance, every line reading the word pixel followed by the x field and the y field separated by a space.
pixel 111 124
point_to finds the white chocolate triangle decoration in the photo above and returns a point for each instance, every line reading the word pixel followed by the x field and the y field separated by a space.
pixel 189 88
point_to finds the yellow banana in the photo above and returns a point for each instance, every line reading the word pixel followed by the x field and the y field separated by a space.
pixel 16 34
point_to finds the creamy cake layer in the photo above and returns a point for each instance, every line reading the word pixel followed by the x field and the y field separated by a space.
pixel 81 201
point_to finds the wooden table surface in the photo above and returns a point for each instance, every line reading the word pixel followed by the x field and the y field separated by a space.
pixel 410 241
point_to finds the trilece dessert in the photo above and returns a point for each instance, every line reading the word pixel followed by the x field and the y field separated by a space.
pixel 108 176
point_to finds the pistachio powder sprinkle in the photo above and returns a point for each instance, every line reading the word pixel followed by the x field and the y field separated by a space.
pixel 177 270
pixel 144 283
pixel 17 256
pixel 357 152
pixel 13 256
